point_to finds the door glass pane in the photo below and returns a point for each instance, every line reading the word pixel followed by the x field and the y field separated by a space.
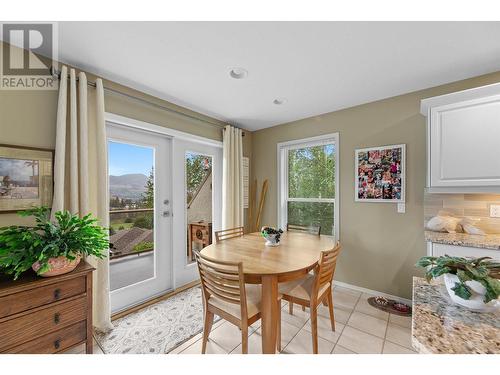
pixel 312 213
pixel 131 213
pixel 198 202
pixel 311 172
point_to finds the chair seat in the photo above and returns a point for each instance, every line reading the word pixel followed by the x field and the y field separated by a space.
pixel 253 293
pixel 301 289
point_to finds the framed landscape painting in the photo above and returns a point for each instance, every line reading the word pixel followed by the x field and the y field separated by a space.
pixel 380 174
pixel 25 177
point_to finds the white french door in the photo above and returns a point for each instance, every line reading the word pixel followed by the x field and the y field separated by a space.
pixel 197 191
pixel 140 183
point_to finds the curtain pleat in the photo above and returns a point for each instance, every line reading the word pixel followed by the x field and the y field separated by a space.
pixel 84 146
pixel 73 146
pixel 59 162
pixel 102 307
pixel 232 178
pixel 72 157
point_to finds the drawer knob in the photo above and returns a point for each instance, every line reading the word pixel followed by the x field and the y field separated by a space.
pixel 57 344
pixel 57 293
pixel 57 318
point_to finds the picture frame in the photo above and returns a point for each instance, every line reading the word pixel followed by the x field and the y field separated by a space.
pixel 380 174
pixel 26 177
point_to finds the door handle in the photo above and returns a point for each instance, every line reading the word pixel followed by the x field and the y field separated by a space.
pixel 166 213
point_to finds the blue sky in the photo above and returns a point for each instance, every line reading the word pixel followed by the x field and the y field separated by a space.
pixel 125 159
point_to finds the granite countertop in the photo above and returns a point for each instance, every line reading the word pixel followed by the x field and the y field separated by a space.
pixel 440 326
pixel 490 241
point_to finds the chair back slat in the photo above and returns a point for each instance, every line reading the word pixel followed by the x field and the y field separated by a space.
pixel 221 296
pixel 219 278
pixel 226 234
pixel 326 268
pixel 223 270
pixel 227 289
pixel 312 229
pixel 230 279
pixel 222 280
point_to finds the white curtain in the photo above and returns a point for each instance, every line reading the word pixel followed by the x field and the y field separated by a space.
pixel 80 171
pixel 232 178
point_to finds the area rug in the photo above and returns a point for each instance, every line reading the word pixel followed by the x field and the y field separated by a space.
pixel 158 328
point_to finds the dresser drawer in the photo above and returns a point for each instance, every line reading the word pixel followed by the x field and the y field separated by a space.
pixel 54 342
pixel 29 299
pixel 41 322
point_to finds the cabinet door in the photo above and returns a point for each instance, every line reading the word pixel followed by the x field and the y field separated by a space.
pixel 463 251
pixel 465 149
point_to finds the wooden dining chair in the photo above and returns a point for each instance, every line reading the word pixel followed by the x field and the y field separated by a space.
pixel 314 290
pixel 312 229
pixel 316 230
pixel 226 234
pixel 225 294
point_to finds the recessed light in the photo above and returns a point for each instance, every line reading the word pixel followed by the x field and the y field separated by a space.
pixel 279 101
pixel 238 73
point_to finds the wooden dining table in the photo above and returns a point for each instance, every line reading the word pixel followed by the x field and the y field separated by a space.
pixel 296 255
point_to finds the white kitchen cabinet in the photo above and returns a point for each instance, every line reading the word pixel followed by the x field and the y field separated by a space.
pixel 463 141
pixel 438 249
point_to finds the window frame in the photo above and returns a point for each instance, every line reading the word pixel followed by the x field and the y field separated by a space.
pixel 282 157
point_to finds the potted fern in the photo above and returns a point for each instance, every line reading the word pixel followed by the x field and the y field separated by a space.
pixel 471 282
pixel 50 248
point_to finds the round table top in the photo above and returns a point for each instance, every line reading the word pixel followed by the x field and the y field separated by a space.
pixel 296 252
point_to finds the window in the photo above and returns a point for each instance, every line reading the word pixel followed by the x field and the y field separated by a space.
pixel 199 197
pixel 308 183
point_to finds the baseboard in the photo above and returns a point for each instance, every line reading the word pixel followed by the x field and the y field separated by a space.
pixel 370 291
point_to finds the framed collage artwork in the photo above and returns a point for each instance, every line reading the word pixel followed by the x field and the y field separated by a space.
pixel 380 174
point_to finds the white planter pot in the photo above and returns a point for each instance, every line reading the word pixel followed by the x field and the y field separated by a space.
pixel 476 301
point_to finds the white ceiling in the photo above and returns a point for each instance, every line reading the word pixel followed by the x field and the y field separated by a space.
pixel 318 67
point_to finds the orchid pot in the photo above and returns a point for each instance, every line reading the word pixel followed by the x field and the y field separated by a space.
pixel 477 294
pixel 471 282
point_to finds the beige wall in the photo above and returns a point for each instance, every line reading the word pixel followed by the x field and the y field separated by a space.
pixel 28 118
pixel 380 246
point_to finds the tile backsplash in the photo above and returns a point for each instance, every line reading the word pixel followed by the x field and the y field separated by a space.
pixel 464 205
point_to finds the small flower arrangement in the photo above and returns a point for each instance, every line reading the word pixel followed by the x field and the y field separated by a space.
pixel 272 235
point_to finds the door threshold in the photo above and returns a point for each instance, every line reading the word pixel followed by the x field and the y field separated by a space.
pixel 153 300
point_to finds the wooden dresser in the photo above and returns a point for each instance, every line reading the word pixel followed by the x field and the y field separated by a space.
pixel 46 315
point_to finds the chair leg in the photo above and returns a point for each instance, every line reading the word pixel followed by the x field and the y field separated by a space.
pixel 278 327
pixel 290 307
pixel 207 327
pixel 314 328
pixel 244 339
pixel 330 309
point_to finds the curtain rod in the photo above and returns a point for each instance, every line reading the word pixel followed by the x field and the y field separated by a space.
pixel 57 74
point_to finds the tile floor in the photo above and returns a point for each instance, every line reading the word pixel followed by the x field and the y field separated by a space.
pixel 360 328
